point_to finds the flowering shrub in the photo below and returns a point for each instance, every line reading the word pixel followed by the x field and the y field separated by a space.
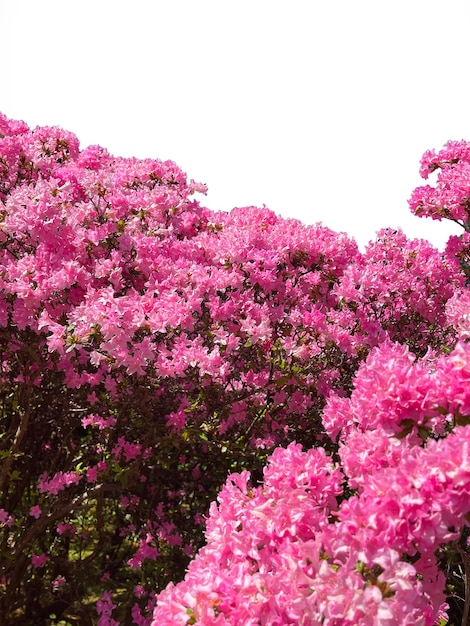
pixel 376 546
pixel 150 347
pixel 314 545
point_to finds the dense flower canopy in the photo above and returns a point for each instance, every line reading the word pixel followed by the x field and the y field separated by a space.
pixel 235 387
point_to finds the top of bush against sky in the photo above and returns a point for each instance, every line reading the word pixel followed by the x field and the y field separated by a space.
pixel 221 418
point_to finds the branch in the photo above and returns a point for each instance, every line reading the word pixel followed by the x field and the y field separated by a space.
pixel 19 436
pixel 466 562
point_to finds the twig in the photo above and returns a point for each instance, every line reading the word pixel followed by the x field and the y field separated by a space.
pixel 466 562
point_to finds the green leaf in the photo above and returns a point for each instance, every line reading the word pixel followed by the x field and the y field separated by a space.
pixel 282 380
pixel 423 433
pixel 462 420
pixel 408 427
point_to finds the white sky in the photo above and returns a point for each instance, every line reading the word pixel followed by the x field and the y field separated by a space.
pixel 319 109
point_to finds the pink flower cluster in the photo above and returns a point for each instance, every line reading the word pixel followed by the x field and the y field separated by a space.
pixel 105 608
pixel 450 197
pixel 58 482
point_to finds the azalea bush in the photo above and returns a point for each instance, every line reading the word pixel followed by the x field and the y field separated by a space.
pixel 377 533
pixel 223 418
pixel 362 540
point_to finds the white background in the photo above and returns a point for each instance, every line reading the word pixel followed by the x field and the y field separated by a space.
pixel 320 110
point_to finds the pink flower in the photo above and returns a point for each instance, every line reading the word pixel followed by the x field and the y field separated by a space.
pixel 6 519
pixel 35 511
pixel 58 583
pixel 128 449
pixel 145 551
pixel 99 421
pixel 38 560
pixel 92 474
pixel 64 528
pixel 60 481
pixel 104 608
